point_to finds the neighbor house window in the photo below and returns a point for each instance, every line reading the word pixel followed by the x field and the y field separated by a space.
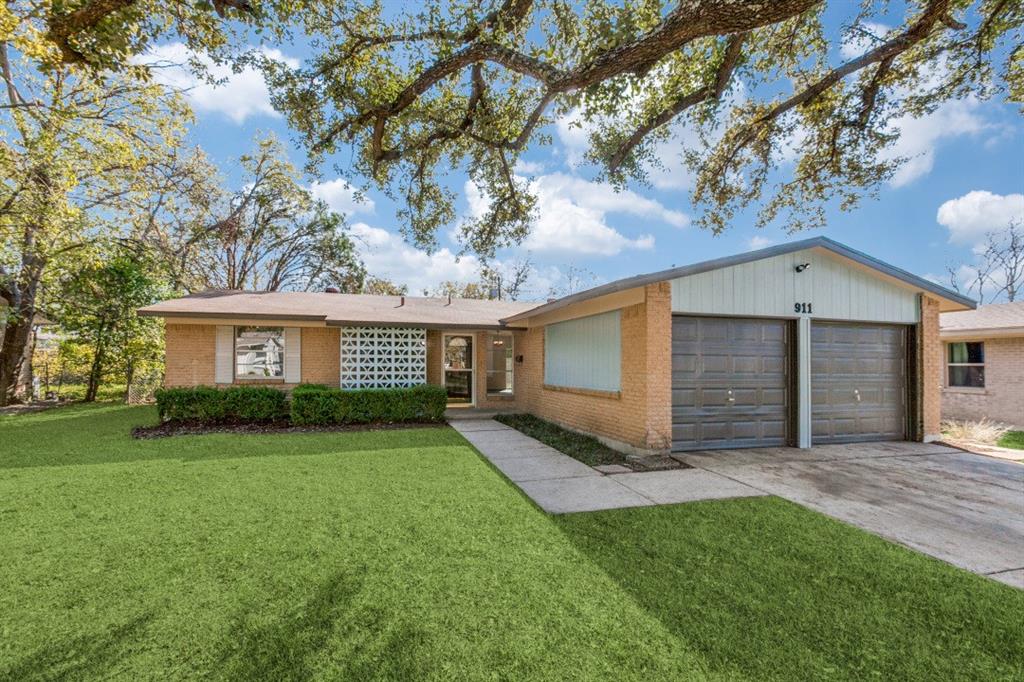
pixel 966 362
pixel 499 364
pixel 259 352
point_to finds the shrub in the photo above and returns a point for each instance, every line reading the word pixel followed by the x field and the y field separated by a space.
pixel 983 431
pixel 422 403
pixel 212 405
pixel 305 388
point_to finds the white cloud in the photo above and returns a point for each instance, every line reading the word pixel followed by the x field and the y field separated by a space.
pixel 856 43
pixel 238 97
pixel 571 215
pixel 920 137
pixel 524 167
pixel 342 197
pixel 758 242
pixel 387 255
pixel 970 217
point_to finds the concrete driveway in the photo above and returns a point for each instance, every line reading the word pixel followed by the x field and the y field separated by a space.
pixel 963 508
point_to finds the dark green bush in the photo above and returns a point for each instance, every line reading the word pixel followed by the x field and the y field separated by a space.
pixel 304 388
pixel 213 405
pixel 422 403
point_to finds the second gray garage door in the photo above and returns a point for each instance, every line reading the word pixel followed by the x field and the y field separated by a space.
pixel 730 382
pixel 858 382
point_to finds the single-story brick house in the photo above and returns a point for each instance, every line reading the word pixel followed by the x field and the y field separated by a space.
pixel 803 343
pixel 983 351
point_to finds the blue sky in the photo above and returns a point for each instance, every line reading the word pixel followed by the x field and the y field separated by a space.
pixel 966 177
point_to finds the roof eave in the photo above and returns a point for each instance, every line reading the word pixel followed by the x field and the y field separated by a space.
pixel 741 258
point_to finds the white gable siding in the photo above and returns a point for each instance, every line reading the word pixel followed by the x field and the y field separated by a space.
pixel 770 287
pixel 584 353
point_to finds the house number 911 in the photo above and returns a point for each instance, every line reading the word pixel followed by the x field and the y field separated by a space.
pixel 804 308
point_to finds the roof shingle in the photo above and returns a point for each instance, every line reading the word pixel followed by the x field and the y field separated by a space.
pixel 335 309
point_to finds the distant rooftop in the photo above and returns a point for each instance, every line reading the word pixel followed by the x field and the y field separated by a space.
pixel 995 316
pixel 340 309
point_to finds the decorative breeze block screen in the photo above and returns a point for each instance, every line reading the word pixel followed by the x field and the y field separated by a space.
pixel 383 357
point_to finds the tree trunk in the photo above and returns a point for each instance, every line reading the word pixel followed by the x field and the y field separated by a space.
pixel 24 387
pixel 12 353
pixel 95 374
pixel 129 377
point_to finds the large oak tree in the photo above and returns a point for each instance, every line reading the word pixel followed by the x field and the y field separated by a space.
pixel 408 94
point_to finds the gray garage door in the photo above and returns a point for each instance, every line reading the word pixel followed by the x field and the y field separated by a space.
pixel 858 382
pixel 730 382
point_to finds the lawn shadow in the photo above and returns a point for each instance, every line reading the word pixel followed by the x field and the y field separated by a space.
pixel 329 635
pixel 765 589
pixel 81 435
pixel 90 656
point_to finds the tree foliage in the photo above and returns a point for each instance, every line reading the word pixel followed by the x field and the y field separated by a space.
pixel 76 151
pixel 268 235
pixel 106 34
pixel 416 91
pixel 97 307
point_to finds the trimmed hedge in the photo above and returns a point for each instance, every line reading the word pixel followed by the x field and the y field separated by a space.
pixel 213 405
pixel 318 406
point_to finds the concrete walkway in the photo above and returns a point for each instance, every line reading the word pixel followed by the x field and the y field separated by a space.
pixel 560 484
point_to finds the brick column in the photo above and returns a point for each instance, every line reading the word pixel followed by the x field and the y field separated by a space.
pixel 931 369
pixel 658 350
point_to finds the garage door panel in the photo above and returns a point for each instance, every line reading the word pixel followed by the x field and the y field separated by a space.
pixel 858 382
pixel 737 394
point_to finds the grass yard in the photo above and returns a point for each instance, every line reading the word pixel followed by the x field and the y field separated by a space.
pixel 1013 439
pixel 402 555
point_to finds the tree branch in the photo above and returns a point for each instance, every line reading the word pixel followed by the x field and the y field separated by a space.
pixel 710 91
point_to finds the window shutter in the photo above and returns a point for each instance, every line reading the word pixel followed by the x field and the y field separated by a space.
pixel 292 355
pixel 224 369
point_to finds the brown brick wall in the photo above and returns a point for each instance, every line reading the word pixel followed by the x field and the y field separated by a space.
pixel 640 414
pixel 435 363
pixel 931 368
pixel 1002 399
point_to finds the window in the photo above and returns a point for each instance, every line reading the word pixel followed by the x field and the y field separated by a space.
pixel 259 352
pixel 584 353
pixel 499 364
pixel 966 362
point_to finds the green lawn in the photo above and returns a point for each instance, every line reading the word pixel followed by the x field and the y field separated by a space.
pixel 402 555
pixel 1013 439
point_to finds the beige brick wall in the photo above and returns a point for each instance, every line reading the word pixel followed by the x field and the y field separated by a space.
pixel 931 368
pixel 321 356
pixel 640 414
pixel 191 356
pixel 1002 399
pixel 190 350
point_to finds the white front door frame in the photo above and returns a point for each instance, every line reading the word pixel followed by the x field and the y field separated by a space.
pixel 472 365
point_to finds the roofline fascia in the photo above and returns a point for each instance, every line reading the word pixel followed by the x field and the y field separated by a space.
pixel 747 257
pixel 981 333
pixel 142 312
pixel 441 326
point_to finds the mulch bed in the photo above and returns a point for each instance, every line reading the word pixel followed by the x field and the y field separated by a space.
pixel 168 429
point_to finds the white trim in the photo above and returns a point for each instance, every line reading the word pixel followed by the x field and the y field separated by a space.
pixel 292 355
pixel 804 423
pixel 472 365
pixel 224 355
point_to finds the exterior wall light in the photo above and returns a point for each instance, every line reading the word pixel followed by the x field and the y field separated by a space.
pixel 802 267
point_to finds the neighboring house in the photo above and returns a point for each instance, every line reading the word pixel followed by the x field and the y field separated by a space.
pixel 984 356
pixel 804 343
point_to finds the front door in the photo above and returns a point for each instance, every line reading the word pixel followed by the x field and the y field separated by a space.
pixel 458 368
